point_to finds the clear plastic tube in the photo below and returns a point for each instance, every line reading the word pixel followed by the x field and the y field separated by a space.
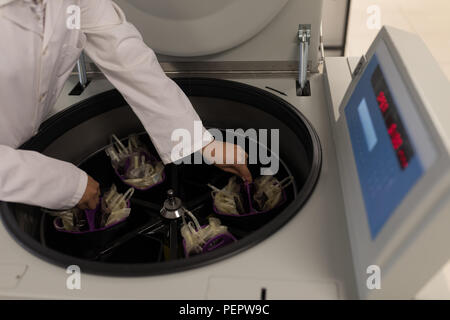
pixel 141 172
pixel 195 237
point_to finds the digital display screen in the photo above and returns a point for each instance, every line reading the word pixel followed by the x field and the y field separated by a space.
pixel 394 125
pixel 385 153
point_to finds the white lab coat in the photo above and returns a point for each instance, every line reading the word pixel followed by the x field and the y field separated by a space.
pixel 37 55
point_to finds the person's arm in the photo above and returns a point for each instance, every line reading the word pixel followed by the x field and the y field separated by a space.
pixel 31 178
pixel 131 66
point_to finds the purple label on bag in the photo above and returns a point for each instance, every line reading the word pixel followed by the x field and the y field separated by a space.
pixel 91 216
pixel 252 210
pixel 214 243
pixel 148 157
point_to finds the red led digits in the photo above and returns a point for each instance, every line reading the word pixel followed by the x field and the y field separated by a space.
pixel 396 138
pixel 382 102
pixel 402 157
pixel 397 142
pixel 392 119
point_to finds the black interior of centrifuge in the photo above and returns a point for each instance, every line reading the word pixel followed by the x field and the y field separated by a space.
pixel 189 182
pixel 80 134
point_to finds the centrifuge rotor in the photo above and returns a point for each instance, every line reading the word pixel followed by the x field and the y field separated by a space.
pixel 173 207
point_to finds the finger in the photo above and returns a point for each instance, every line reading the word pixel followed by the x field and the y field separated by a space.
pixel 92 204
pixel 244 173
pixel 82 206
pixel 241 171
pixel 240 156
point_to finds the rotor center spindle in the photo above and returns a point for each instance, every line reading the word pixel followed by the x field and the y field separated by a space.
pixel 173 206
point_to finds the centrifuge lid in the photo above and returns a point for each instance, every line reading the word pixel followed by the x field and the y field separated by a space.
pixel 199 27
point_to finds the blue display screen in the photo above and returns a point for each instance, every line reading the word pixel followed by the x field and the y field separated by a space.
pixel 387 164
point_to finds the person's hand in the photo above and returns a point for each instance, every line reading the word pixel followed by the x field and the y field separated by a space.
pixel 91 196
pixel 228 157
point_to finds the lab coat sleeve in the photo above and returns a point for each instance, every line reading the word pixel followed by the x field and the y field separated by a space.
pixel 132 67
pixel 31 178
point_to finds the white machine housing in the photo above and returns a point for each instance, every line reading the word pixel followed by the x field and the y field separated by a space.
pixel 411 246
pixel 310 257
pixel 232 35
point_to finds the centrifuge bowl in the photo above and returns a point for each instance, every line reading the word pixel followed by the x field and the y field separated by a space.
pixel 84 130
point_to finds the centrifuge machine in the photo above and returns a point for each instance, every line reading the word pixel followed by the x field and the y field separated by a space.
pixel 364 139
